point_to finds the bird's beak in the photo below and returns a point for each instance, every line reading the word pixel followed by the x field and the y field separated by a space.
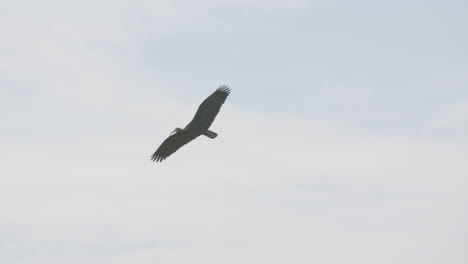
pixel 173 132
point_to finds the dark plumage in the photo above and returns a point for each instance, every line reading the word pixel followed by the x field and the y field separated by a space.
pixel 199 125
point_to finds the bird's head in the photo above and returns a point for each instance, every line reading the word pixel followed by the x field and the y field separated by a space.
pixel 176 130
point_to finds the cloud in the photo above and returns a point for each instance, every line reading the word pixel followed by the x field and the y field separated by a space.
pixel 451 118
pixel 271 195
pixel 298 173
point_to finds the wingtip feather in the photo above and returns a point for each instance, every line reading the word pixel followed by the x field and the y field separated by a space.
pixel 224 88
pixel 155 158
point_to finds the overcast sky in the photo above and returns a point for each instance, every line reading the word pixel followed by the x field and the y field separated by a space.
pixel 344 139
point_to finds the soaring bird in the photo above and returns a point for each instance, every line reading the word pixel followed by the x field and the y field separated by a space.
pixel 199 125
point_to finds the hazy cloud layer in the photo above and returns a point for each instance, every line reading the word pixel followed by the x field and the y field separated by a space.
pixel 344 139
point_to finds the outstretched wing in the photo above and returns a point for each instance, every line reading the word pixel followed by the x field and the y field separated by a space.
pixel 208 110
pixel 172 144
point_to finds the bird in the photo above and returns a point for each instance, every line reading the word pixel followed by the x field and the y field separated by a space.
pixel 199 125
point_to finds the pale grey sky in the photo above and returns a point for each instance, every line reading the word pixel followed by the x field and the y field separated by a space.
pixel 344 139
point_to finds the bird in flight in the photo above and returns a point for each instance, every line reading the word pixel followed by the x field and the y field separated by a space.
pixel 199 125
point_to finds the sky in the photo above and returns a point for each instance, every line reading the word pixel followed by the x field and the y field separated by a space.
pixel 344 139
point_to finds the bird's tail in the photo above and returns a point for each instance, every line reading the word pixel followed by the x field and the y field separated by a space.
pixel 210 134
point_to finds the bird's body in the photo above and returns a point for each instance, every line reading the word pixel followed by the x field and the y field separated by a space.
pixel 199 125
